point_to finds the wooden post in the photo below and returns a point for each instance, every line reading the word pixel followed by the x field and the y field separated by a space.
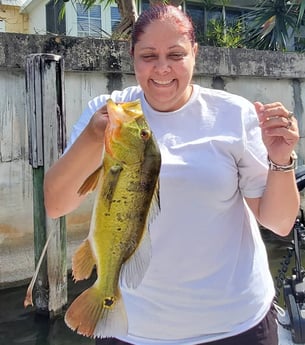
pixel 47 139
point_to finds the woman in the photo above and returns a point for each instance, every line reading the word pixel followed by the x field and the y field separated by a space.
pixel 208 281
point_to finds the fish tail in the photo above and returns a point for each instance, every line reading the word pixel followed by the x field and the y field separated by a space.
pixel 96 316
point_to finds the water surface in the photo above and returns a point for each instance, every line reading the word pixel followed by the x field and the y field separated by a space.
pixel 26 327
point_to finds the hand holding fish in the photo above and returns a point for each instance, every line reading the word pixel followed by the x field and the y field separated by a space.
pixel 63 180
pixel 280 131
pixel 98 123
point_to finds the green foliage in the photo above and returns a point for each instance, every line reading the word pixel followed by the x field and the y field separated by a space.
pixel 299 5
pixel 271 24
pixel 221 35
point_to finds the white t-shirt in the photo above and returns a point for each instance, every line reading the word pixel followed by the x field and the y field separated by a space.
pixel 209 276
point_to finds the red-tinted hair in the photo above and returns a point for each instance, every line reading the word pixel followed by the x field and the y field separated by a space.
pixel 163 12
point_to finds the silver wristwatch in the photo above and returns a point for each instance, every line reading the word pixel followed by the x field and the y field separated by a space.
pixel 291 166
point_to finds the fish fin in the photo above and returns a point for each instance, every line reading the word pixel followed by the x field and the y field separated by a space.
pixel 114 322
pixel 91 182
pixel 155 204
pixel 83 261
pixel 135 267
pixel 92 315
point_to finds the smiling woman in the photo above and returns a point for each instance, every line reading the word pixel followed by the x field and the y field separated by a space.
pixel 215 184
pixel 164 65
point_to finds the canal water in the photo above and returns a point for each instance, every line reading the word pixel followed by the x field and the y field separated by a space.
pixel 19 326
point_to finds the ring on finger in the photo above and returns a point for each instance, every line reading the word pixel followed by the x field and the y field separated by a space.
pixel 289 124
pixel 290 115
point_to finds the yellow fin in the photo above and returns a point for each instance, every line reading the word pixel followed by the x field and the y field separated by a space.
pixel 93 316
pixel 155 207
pixel 91 182
pixel 135 267
pixel 83 261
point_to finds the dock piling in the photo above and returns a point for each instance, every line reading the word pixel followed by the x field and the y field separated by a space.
pixel 47 140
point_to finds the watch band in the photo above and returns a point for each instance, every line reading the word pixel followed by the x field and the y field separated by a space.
pixel 291 166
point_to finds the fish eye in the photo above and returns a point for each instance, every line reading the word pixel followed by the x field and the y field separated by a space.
pixel 145 133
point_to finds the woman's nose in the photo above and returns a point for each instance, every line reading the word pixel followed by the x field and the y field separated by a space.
pixel 162 66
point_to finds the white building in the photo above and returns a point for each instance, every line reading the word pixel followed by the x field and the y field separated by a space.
pixel 44 17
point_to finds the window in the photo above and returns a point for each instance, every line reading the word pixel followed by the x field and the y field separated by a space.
pixel 233 16
pixel 215 13
pixel 196 12
pixel 89 22
pixel 115 17
pixel 2 25
pixel 209 20
pixel 144 5
pixel 54 23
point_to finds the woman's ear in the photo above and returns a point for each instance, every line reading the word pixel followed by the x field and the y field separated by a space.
pixel 195 49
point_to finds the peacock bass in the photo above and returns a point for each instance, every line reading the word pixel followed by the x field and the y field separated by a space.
pixel 118 244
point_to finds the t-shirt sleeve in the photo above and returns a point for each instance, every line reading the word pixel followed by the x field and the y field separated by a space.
pixel 252 166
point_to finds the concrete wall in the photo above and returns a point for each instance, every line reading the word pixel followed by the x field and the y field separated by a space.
pixel 95 66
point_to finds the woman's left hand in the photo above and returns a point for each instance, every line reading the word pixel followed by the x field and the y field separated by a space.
pixel 280 131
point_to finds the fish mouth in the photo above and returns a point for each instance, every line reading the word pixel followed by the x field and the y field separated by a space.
pixel 123 112
pixel 118 115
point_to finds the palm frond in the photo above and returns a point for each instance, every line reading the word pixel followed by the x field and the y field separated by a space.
pixel 269 25
pixel 301 11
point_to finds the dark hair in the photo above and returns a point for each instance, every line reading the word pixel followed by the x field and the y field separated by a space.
pixel 163 12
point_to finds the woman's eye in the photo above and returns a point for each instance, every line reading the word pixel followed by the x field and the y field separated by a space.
pixel 176 56
pixel 172 56
pixel 148 57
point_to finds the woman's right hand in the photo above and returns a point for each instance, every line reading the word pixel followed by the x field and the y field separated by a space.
pixel 63 180
pixel 98 123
